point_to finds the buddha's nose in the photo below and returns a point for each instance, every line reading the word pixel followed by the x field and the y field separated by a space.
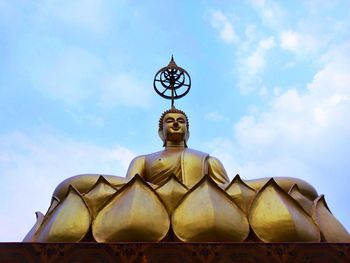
pixel 176 124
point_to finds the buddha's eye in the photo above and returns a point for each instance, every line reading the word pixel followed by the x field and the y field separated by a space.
pixel 181 120
pixel 169 120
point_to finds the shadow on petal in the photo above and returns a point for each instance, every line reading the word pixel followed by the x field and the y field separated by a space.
pixel 241 193
pixel 276 217
pixel 68 221
pixel 304 201
pixel 134 213
pixel 98 195
pixel 171 192
pixel 207 213
pixel 331 229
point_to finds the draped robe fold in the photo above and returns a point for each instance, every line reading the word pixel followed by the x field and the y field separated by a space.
pixel 188 165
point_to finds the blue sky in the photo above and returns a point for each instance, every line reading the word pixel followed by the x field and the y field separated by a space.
pixel 270 92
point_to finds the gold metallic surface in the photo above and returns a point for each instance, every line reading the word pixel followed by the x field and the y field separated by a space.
pixel 285 183
pixel 186 185
pixel 69 221
pixel 241 193
pixel 98 195
pixel 171 192
pixel 84 182
pixel 54 202
pixel 188 165
pixel 304 201
pixel 135 213
pixel 331 229
pixel 276 217
pixel 207 213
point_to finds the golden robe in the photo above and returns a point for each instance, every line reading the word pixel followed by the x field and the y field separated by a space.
pixel 188 165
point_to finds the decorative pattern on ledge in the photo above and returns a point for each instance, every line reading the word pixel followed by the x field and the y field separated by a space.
pixel 175 252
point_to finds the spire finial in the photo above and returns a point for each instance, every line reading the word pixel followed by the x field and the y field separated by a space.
pixel 172 63
pixel 171 80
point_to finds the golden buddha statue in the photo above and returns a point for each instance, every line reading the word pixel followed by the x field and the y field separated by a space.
pixel 181 194
pixel 188 165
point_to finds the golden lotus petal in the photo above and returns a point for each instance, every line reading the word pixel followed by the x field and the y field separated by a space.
pixel 171 192
pixel 54 202
pixel 98 195
pixel 69 221
pixel 331 229
pixel 135 213
pixel 305 202
pixel 285 183
pixel 241 193
pixel 276 217
pixel 207 213
pixel 31 234
pixel 84 182
pixel 154 186
pixel 39 220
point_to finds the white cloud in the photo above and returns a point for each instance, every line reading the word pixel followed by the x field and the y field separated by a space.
pixel 251 36
pixel 31 168
pixel 297 42
pixel 252 50
pixel 252 66
pixel 304 134
pixel 322 25
pixel 255 62
pixel 290 40
pixel 271 13
pixel 221 23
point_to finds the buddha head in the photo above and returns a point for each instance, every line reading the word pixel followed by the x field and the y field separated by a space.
pixel 173 127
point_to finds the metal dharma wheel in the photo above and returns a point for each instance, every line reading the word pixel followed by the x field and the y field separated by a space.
pixel 172 82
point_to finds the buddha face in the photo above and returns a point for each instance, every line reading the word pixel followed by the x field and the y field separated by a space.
pixel 174 127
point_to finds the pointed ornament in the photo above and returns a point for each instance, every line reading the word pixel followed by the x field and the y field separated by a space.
pixel 241 193
pixel 331 229
pixel 98 195
pixel 69 221
pixel 171 192
pixel 134 213
pixel 31 234
pixel 276 217
pixel 304 201
pixel 207 213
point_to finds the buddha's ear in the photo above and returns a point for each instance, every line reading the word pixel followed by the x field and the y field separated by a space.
pixel 161 135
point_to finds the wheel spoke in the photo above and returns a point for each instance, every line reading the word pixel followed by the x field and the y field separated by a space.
pixel 174 83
